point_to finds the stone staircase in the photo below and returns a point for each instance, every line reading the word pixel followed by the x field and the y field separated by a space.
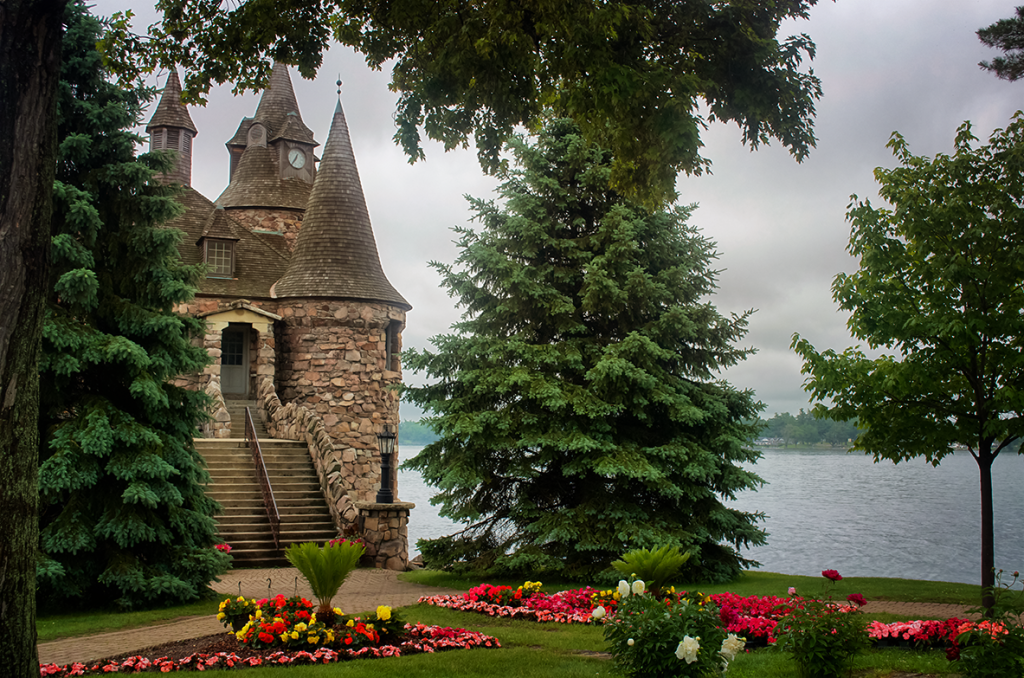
pixel 244 523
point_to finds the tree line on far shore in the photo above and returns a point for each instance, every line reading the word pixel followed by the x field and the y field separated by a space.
pixel 805 429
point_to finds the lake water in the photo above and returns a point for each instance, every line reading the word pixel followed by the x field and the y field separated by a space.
pixel 833 510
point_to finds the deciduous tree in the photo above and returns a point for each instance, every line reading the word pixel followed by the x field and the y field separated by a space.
pixel 577 402
pixel 940 291
pixel 123 512
pixel 632 74
pixel 30 33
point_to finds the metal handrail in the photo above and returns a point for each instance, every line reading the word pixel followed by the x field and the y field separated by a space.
pixel 261 473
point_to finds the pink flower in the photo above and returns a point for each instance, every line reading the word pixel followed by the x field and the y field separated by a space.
pixel 831 574
pixel 792 591
pixel 857 598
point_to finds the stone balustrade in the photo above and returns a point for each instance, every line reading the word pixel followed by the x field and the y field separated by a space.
pixel 294 422
pixel 219 426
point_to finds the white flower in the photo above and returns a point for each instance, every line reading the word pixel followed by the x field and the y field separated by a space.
pixel 623 588
pixel 688 649
pixel 638 587
pixel 731 646
pixel 630 642
pixel 598 612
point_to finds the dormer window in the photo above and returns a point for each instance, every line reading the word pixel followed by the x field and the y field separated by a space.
pixel 220 258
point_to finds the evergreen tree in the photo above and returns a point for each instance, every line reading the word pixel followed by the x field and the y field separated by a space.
pixel 123 514
pixel 576 401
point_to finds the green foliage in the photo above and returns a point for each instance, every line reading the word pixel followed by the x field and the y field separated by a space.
pixel 805 428
pixel 325 568
pixel 822 636
pixel 655 567
pixel 1006 35
pixel 649 637
pixel 577 403
pixel 632 74
pixel 939 289
pixel 123 514
pixel 994 647
pixel 415 433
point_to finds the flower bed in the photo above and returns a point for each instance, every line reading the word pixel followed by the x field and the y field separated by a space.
pixel 752 617
pixel 416 638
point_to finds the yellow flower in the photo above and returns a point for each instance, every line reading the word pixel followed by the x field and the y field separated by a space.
pixel 240 599
pixel 295 635
pixel 220 616
pixel 330 636
pixel 351 623
pixel 313 640
pixel 383 612
pixel 240 635
pixel 338 611
pixel 300 627
pixel 259 613
pixel 222 605
pixel 284 637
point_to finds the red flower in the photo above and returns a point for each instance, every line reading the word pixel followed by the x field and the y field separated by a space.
pixel 831 574
pixel 857 598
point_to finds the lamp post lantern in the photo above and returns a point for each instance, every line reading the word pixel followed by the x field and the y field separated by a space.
pixel 386 442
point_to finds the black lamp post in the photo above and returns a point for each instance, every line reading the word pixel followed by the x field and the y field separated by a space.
pixel 386 442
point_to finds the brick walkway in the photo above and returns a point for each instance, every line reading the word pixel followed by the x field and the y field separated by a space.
pixel 364 590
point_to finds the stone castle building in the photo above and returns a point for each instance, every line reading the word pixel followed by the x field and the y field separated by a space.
pixel 300 315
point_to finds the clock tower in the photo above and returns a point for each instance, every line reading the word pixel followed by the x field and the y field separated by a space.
pixel 272 164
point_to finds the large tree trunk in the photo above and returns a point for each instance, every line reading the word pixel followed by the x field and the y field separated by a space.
pixel 30 37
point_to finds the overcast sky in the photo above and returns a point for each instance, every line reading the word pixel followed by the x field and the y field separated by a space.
pixel 885 65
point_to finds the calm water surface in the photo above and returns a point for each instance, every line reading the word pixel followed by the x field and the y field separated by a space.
pixel 832 510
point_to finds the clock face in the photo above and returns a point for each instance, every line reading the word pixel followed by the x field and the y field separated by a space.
pixel 296 158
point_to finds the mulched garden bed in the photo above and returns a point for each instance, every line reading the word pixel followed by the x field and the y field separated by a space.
pixel 223 650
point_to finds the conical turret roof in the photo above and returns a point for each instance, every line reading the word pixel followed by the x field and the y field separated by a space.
pixel 170 112
pixel 335 253
pixel 278 111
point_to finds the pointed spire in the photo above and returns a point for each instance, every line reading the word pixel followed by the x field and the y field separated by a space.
pixel 170 112
pixel 335 254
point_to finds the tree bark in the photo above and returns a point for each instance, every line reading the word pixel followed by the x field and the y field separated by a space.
pixel 988 557
pixel 30 37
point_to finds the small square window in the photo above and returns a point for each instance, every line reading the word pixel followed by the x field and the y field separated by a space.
pixel 219 258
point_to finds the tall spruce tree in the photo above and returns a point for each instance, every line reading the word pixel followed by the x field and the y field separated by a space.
pixel 576 401
pixel 123 514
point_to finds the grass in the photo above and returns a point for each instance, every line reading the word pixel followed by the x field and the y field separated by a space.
pixel 72 624
pixel 761 584
pixel 531 650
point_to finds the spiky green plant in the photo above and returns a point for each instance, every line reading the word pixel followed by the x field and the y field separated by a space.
pixel 654 567
pixel 324 568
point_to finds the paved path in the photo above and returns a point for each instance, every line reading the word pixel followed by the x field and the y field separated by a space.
pixel 364 590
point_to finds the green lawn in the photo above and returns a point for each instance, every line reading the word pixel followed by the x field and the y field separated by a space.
pixel 541 650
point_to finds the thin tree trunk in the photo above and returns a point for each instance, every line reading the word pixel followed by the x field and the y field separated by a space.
pixel 30 36
pixel 988 558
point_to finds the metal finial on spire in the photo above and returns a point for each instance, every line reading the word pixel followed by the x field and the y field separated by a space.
pixel 339 86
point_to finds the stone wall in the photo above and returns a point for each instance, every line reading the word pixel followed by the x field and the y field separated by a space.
pixel 286 222
pixel 332 360
pixel 220 424
pixel 292 422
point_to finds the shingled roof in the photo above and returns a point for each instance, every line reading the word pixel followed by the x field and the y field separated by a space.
pixel 256 183
pixel 260 258
pixel 170 112
pixel 278 111
pixel 335 254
